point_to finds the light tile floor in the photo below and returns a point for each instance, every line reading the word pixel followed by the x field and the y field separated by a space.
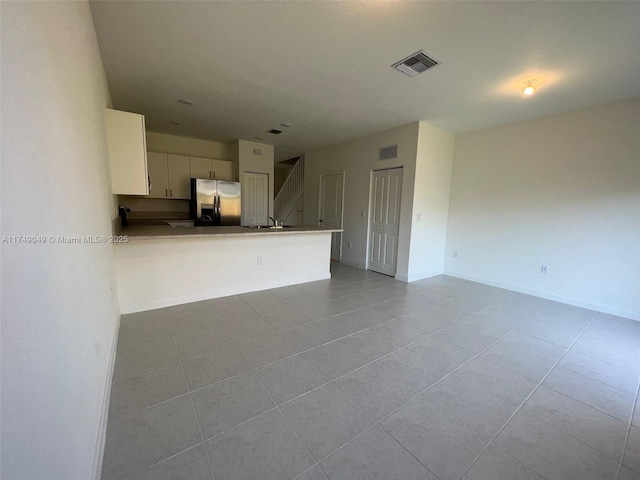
pixel 363 377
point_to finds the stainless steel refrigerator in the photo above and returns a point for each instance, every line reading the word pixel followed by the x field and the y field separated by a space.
pixel 215 202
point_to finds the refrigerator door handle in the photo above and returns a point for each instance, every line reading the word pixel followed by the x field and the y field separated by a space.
pixel 218 207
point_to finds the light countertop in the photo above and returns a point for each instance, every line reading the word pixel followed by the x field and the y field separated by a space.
pixel 154 232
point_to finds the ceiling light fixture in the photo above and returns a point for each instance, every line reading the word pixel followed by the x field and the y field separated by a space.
pixel 285 125
pixel 529 90
pixel 259 138
pixel 186 101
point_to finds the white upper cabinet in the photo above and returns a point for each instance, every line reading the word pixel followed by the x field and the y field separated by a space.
pixel 222 170
pixel 201 167
pixel 169 176
pixel 126 143
pixel 209 168
pixel 179 176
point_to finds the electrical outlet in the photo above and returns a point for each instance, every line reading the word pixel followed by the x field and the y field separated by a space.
pixel 349 244
pixel 455 254
pixel 363 213
pixel 544 269
pixel 259 261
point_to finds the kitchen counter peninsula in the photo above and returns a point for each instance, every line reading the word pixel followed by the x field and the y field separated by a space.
pixel 152 232
pixel 161 266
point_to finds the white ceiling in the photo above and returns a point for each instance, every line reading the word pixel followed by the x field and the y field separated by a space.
pixel 324 66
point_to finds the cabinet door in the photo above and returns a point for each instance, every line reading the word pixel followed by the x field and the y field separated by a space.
pixel 126 143
pixel 201 167
pixel 159 175
pixel 262 198
pixel 179 176
pixel 222 170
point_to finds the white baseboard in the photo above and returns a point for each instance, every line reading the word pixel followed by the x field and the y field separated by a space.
pixel 104 414
pixel 220 292
pixel 352 264
pixel 417 276
pixel 558 298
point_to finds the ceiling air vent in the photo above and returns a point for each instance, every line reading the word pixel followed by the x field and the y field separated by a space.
pixel 415 64
pixel 388 153
pixel 275 132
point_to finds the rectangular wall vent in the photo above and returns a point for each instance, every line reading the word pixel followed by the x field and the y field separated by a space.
pixel 388 153
pixel 275 132
pixel 415 64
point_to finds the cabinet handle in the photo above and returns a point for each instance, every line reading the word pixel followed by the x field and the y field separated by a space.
pixel 166 192
pixel 171 192
pixel 210 176
pixel 214 174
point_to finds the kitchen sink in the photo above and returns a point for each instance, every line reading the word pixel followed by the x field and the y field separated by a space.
pixel 270 227
pixel 181 224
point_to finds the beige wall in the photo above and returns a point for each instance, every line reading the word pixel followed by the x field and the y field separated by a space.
pixel 280 175
pixel 358 159
pixel 563 191
pixel 434 162
pixel 193 147
pixel 59 310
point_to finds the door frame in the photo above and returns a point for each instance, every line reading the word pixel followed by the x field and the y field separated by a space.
pixel 326 174
pixel 373 171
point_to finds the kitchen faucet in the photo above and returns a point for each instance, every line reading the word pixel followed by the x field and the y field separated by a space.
pixel 275 222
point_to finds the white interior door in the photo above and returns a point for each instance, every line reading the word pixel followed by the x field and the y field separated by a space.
pixel 330 214
pixel 386 190
pixel 262 198
pixel 249 199
pixel 255 199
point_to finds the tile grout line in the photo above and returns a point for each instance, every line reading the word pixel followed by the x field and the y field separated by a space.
pixel 374 425
pixel 327 301
pixel 167 458
pixel 296 326
pixel 180 358
pixel 422 392
pixel 326 383
pixel 493 438
pixel 308 470
pixel 399 297
pixel 459 367
pixel 360 367
pixel 300 352
pixel 617 419
pixel 189 391
pixel 195 413
pixel 378 423
pixel 277 407
pixel 629 427
pixel 341 376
